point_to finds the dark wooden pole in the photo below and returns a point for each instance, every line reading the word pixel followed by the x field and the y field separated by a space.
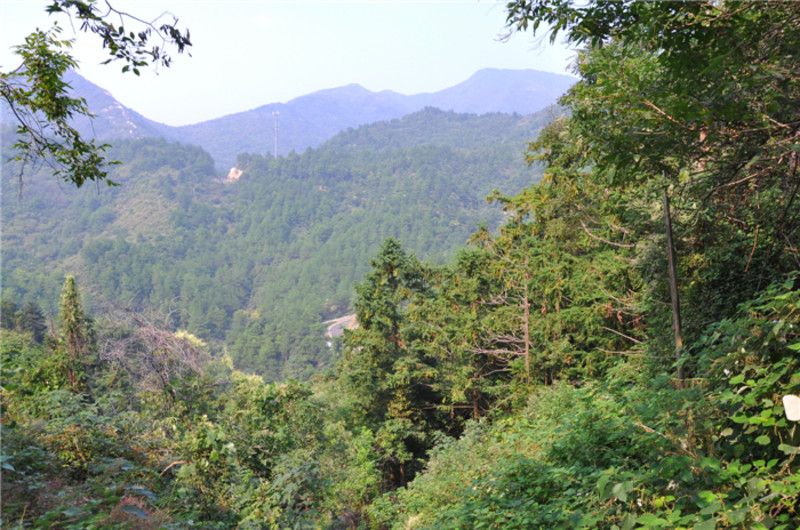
pixel 673 290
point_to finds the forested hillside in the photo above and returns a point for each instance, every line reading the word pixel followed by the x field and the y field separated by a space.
pixel 621 352
pixel 259 263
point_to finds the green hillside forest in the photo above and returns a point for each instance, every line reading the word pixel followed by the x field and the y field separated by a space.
pixel 611 341
pixel 257 265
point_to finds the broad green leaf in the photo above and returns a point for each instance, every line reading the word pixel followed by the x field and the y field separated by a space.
pixel 622 489
pixel 708 524
pixel 601 485
pixel 763 440
pixel 629 521
pixel 651 520
pixel 735 380
pixel 736 516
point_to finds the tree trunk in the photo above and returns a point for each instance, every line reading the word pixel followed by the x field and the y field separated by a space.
pixel 673 291
pixel 526 325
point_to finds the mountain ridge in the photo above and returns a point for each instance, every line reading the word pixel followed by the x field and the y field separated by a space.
pixel 311 119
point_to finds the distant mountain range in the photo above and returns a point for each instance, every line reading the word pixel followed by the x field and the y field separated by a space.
pixel 310 120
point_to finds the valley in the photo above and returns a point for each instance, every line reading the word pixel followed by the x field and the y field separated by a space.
pixel 414 316
pixel 256 265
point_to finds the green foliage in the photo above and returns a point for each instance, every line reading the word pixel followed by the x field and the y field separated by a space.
pixel 29 368
pixel 77 334
pixel 260 262
pixel 750 365
pixel 657 109
pixel 385 376
pixel 29 318
pixel 37 93
pixel 446 324
pixel 527 384
pixel 69 461
pixel 359 480
pixel 38 98
pixel 483 479
pixel 720 453
pixel 432 126
pixel 209 461
pixel 270 420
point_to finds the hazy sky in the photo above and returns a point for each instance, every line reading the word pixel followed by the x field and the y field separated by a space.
pixel 250 53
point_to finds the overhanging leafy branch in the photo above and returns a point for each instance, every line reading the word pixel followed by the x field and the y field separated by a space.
pixel 38 98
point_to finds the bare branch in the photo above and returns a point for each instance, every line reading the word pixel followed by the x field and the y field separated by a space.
pixel 637 341
pixel 598 238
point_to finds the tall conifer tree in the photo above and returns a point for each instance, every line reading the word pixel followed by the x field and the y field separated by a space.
pixel 77 334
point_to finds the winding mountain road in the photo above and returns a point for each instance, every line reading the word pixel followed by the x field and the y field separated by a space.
pixel 337 326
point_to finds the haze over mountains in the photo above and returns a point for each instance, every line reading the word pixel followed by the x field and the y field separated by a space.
pixel 309 120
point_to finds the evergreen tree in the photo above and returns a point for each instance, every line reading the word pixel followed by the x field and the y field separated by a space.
pixel 31 319
pixel 384 376
pixel 78 334
pixel 8 314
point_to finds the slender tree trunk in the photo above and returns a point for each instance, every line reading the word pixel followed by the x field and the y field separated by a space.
pixel 526 331
pixel 526 326
pixel 673 291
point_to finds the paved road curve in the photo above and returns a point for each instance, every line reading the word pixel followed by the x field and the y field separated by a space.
pixel 337 326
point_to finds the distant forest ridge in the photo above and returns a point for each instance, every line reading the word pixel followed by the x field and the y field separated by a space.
pixel 312 119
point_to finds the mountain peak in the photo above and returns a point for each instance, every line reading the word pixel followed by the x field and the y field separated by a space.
pixel 112 118
pixel 309 120
pixel 517 73
pixel 503 90
pixel 351 90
